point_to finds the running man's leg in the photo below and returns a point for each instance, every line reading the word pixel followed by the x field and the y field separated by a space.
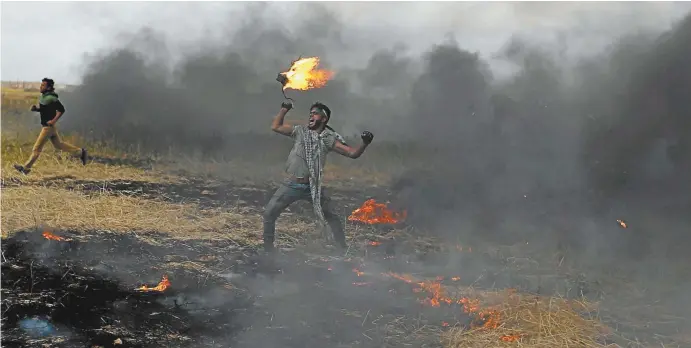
pixel 59 144
pixel 46 133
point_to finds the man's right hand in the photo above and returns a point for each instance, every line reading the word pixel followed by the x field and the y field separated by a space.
pixel 287 105
pixel 34 108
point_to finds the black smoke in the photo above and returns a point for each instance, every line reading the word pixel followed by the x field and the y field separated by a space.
pixel 515 158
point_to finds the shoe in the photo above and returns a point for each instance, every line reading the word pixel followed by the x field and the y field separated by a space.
pixel 21 169
pixel 84 156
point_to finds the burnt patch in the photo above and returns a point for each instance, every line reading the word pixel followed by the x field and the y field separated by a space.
pixel 81 292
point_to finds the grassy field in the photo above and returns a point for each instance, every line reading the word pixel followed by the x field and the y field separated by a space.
pixel 162 203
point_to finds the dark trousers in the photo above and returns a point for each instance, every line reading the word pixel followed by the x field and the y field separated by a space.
pixel 287 194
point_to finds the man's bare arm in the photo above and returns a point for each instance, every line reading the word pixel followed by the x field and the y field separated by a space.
pixel 277 124
pixel 349 151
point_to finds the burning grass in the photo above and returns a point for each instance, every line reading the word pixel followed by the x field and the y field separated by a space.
pixel 511 319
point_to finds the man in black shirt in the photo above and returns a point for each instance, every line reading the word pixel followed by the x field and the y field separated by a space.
pixel 50 109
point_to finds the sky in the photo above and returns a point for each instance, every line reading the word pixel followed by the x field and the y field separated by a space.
pixel 80 28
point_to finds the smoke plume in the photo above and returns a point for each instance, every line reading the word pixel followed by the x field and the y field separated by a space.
pixel 564 138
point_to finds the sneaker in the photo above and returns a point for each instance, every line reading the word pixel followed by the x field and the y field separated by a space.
pixel 83 157
pixel 21 169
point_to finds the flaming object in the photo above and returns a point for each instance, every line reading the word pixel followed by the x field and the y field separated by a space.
pixel 303 75
pixel 622 223
pixel 48 235
pixel 372 212
pixel 164 284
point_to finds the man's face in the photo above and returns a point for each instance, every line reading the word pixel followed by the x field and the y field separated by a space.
pixel 317 118
pixel 44 86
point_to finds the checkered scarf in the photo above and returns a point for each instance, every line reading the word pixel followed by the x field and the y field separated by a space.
pixel 314 150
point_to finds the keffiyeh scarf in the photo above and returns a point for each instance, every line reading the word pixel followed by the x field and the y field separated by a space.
pixel 314 150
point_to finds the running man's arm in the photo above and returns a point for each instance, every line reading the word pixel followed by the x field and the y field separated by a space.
pixel 59 111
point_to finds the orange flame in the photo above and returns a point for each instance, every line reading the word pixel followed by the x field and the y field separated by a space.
pixel 372 212
pixel 374 243
pixel 304 75
pixel 164 284
pixel 48 235
pixel 512 337
pixel 622 223
pixel 357 271
pixel 486 319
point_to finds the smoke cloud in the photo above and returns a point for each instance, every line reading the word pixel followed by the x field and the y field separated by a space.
pixel 587 134
pixel 549 140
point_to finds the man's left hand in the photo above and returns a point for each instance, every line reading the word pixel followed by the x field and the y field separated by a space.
pixel 51 123
pixel 367 137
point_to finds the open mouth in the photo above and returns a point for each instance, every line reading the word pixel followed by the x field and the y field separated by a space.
pixel 311 122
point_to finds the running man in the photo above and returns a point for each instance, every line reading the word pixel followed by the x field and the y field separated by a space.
pixel 304 168
pixel 51 109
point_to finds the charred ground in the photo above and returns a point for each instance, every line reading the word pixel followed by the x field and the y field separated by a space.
pixel 81 291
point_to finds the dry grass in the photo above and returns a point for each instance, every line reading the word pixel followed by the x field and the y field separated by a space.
pixel 32 206
pixel 27 207
pixel 519 320
pixel 16 148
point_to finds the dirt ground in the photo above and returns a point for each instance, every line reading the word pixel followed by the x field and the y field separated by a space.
pixel 203 235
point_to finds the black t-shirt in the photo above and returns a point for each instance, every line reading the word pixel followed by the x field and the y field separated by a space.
pixel 49 105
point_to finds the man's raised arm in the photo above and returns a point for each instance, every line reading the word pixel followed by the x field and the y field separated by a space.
pixel 277 124
pixel 350 152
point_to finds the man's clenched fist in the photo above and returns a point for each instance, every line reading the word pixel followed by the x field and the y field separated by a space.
pixel 367 137
pixel 287 105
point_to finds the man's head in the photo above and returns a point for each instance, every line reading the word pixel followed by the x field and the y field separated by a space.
pixel 47 85
pixel 319 116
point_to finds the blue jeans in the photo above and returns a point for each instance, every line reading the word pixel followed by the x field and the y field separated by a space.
pixel 287 194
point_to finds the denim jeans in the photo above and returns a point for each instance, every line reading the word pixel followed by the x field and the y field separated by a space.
pixel 287 194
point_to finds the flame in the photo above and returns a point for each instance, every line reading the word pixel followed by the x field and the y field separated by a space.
pixel 374 243
pixel 436 292
pixel 48 235
pixel 622 223
pixel 164 284
pixel 484 318
pixel 303 75
pixel 372 212
pixel 489 318
pixel 511 338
